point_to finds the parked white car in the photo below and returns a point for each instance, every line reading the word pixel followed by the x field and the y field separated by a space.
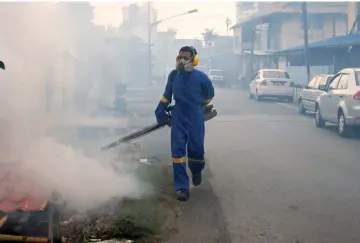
pixel 217 77
pixel 201 68
pixel 308 96
pixel 340 103
pixel 272 83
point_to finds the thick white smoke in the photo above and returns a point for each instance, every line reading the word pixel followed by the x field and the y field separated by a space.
pixel 33 41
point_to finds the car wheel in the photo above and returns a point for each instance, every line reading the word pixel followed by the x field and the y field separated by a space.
pixel 301 108
pixel 251 96
pixel 343 129
pixel 319 121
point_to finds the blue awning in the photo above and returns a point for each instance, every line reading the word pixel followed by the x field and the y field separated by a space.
pixel 338 41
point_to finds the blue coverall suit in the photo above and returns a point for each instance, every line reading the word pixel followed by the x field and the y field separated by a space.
pixel 191 91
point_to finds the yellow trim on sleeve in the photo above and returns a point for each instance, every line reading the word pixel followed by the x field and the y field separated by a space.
pixel 164 99
pixel 208 101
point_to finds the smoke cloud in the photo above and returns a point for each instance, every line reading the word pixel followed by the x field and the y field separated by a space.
pixel 41 45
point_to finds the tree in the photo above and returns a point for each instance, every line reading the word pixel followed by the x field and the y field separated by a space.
pixel 208 36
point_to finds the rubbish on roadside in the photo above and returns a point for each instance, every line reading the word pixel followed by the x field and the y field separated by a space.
pixel 150 160
pixel 145 161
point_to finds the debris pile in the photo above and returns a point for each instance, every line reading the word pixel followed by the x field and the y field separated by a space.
pixel 130 219
pixel 128 222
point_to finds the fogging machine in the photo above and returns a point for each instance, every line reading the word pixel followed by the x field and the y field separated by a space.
pixel 208 110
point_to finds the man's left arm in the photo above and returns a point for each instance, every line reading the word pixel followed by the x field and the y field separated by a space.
pixel 208 90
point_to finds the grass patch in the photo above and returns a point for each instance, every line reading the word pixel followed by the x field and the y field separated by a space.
pixel 146 219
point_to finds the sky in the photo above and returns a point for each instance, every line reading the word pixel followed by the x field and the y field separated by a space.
pixel 211 15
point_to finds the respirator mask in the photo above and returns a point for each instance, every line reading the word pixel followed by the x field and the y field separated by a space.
pixel 185 65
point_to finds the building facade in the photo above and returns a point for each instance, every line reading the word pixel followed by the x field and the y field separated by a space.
pixel 166 50
pixel 353 12
pixel 277 26
pixel 136 21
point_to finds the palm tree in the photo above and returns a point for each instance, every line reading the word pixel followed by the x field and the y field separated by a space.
pixel 208 36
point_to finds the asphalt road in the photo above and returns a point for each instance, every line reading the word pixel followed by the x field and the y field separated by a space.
pixel 272 176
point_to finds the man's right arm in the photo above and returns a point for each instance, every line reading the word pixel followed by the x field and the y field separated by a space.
pixel 167 96
pixel 160 111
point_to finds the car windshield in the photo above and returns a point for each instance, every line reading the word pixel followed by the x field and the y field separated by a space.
pixel 216 72
pixel 357 77
pixel 276 74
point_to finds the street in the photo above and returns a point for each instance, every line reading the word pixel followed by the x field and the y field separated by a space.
pixel 272 176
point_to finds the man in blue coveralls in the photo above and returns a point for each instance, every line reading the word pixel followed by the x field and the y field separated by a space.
pixel 191 90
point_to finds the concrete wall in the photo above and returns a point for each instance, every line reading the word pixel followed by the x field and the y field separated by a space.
pixel 299 76
pixel 352 11
pixel 165 52
pixel 237 41
pixel 291 33
pixel 136 24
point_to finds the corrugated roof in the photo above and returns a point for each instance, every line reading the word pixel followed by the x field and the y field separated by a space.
pixel 338 41
pixel 19 190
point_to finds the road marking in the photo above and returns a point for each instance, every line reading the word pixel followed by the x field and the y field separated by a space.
pixel 288 106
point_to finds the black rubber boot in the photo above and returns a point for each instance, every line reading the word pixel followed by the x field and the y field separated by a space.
pixel 197 179
pixel 183 195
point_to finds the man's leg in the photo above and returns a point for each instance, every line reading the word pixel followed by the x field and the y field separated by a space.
pixel 178 150
pixel 196 160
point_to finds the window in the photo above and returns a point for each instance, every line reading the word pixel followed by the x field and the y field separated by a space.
pixel 312 82
pixel 318 81
pixel 326 80
pixel 276 74
pixel 343 83
pixel 357 78
pixel 257 75
pixel 334 82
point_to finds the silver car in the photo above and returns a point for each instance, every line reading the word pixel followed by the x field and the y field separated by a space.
pixel 340 102
pixel 308 96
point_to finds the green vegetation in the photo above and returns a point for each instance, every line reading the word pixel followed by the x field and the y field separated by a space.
pixel 144 220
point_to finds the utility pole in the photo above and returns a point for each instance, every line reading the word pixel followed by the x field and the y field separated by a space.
pixel 151 25
pixel 149 44
pixel 251 64
pixel 306 40
pixel 228 23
